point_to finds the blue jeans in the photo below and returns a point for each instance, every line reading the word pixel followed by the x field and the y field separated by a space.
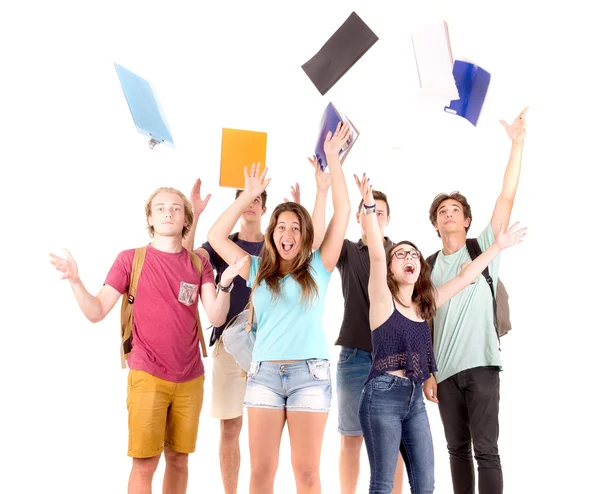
pixel 353 368
pixel 393 417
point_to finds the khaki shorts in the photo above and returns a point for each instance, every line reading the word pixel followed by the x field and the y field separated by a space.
pixel 228 385
pixel 162 414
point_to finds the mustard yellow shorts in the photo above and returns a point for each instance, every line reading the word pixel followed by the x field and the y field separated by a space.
pixel 162 414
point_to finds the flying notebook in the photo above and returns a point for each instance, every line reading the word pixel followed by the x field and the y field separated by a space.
pixel 145 108
pixel 240 148
pixel 434 59
pixel 331 117
pixel 472 82
pixel 341 51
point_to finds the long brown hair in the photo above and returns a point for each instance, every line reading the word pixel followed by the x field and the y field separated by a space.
pixel 424 293
pixel 270 268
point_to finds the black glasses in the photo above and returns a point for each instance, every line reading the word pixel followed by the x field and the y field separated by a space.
pixel 401 254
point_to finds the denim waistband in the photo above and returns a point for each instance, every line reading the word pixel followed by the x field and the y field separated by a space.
pixel 289 368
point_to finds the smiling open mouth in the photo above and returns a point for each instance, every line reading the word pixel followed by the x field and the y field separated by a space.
pixel 409 268
pixel 287 246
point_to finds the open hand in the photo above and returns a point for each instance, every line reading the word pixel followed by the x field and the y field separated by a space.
pixel 322 178
pixel 233 270
pixel 295 191
pixel 334 143
pixel 516 131
pixel 510 237
pixel 67 266
pixel 366 190
pixel 198 204
pixel 255 182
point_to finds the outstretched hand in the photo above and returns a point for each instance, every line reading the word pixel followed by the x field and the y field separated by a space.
pixel 198 204
pixel 255 182
pixel 233 270
pixel 67 266
pixel 516 131
pixel 295 191
pixel 510 237
pixel 322 178
pixel 366 189
pixel 333 143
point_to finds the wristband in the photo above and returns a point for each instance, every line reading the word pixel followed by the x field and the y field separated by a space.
pixel 226 289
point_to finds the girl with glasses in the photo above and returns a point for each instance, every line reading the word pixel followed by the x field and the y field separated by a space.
pixel 402 299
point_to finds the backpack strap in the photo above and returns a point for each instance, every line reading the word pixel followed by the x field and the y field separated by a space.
pixel 127 304
pixel 474 251
pixel 198 265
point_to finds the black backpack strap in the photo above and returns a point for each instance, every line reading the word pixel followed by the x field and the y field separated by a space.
pixel 474 251
pixel 431 260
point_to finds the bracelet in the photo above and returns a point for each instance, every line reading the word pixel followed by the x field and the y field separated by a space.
pixel 369 207
pixel 370 211
pixel 226 289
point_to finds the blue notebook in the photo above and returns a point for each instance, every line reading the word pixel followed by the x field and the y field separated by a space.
pixel 472 83
pixel 331 117
pixel 144 106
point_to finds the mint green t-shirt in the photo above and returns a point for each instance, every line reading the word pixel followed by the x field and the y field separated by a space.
pixel 288 329
pixel 464 334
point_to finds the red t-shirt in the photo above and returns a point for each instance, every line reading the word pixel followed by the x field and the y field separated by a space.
pixel 165 336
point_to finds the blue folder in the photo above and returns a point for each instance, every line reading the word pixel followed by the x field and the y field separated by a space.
pixel 331 117
pixel 472 83
pixel 145 108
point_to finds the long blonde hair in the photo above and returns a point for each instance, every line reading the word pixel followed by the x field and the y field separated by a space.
pixel 270 268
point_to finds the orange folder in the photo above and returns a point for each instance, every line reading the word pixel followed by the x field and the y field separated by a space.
pixel 240 148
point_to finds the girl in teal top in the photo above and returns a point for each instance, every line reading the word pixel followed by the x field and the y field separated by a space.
pixel 289 379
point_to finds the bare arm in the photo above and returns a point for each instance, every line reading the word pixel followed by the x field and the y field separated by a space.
pixel 323 181
pixel 504 240
pixel 336 231
pixel 218 235
pixel 504 203
pixel 198 205
pixel 380 297
pixel 94 308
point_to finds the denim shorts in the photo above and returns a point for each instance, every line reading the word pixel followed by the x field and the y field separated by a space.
pixel 353 369
pixel 303 386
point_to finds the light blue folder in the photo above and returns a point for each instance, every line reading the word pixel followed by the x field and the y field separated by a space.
pixel 144 106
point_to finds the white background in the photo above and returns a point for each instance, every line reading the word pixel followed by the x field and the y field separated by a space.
pixel 75 173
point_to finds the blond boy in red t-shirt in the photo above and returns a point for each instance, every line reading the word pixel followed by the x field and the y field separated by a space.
pixel 166 376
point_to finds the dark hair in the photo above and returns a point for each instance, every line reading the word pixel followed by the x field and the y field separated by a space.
pixel 424 293
pixel 457 196
pixel 263 196
pixel 378 196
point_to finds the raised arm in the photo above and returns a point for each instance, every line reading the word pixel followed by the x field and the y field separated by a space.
pixel 198 205
pixel 216 302
pixel 323 182
pixel 218 235
pixel 504 203
pixel 336 231
pixel 504 240
pixel 94 308
pixel 380 297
